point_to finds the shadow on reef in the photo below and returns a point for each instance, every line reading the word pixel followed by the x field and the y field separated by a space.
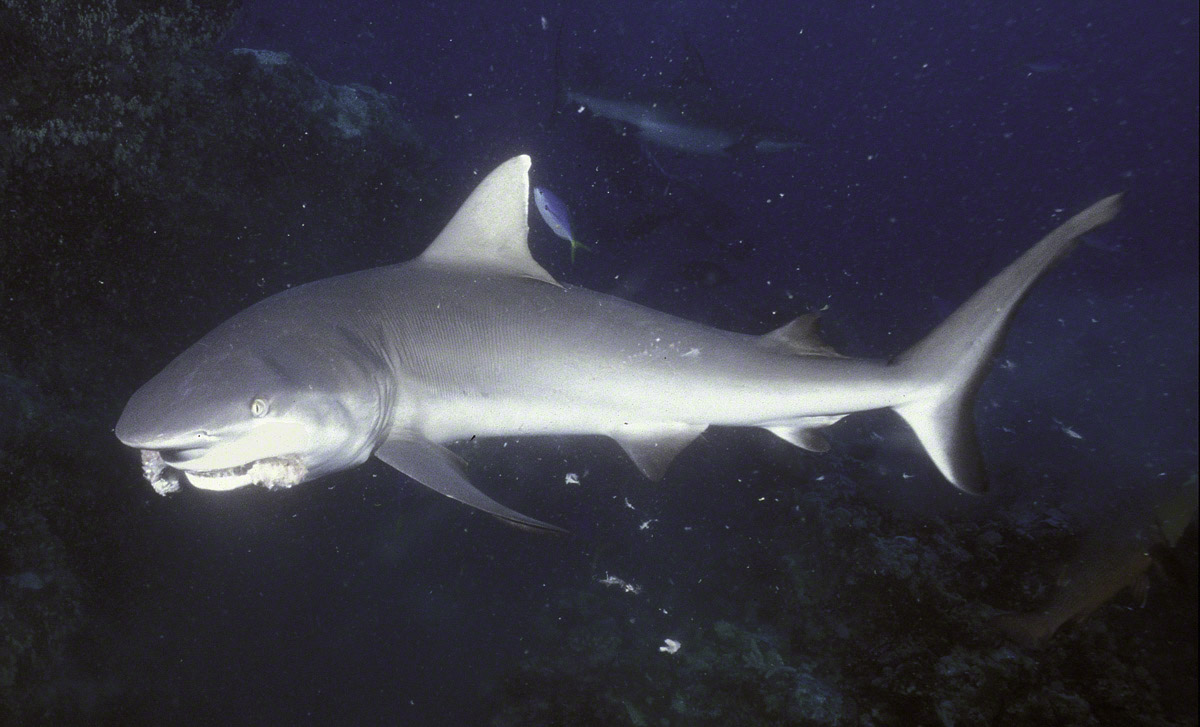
pixel 141 163
pixel 836 612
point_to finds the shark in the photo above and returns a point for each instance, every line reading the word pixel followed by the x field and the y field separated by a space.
pixel 681 127
pixel 473 339
pixel 1119 555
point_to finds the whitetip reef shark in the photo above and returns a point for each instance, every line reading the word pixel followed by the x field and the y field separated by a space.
pixel 473 338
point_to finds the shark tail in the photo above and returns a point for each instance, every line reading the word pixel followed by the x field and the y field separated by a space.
pixel 950 364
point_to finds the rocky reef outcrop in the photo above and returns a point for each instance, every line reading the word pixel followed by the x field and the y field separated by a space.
pixel 855 615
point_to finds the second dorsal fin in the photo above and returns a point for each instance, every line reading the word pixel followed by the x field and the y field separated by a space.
pixel 800 337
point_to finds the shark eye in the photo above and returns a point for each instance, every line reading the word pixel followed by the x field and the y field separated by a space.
pixel 258 407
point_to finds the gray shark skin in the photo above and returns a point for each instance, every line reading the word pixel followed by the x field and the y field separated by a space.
pixel 474 339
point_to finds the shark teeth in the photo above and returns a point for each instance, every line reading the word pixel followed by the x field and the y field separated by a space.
pixel 272 473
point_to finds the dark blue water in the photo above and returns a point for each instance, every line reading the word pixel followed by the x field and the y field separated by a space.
pixel 938 142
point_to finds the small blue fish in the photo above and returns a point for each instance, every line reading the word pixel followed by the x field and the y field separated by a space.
pixel 557 218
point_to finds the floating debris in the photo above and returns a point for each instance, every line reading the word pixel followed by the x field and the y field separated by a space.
pixel 1068 430
pixel 615 582
pixel 163 479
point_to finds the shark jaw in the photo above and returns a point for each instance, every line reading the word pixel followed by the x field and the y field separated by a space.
pixel 270 472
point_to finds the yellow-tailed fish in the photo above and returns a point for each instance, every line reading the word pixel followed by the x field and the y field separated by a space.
pixel 557 217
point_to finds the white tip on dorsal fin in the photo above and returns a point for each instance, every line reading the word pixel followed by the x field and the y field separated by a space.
pixel 489 233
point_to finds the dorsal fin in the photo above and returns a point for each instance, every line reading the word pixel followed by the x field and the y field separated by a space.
pixel 801 337
pixel 490 231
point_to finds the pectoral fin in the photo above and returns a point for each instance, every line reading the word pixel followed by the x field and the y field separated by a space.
pixel 441 470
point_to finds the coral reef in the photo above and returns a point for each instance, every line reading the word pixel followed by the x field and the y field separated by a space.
pixel 41 598
pixel 866 617
pixel 94 88
pixel 130 146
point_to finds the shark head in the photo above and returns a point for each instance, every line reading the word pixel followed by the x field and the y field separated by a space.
pixel 248 405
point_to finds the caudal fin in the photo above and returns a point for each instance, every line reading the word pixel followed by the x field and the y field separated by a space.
pixel 952 361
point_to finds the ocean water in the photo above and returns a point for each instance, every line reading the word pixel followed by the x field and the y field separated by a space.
pixel 164 166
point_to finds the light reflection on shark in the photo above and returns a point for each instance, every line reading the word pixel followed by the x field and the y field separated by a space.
pixel 473 338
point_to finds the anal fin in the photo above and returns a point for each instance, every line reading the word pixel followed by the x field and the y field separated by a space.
pixel 803 437
pixel 803 432
pixel 441 470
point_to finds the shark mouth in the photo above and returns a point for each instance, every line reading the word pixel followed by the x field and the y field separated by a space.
pixel 272 473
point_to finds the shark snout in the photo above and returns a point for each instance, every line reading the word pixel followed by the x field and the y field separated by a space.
pixel 157 418
pixel 139 434
pixel 132 434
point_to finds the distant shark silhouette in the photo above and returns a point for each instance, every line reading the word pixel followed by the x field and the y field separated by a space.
pixel 686 115
pixel 474 339
pixel 686 127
